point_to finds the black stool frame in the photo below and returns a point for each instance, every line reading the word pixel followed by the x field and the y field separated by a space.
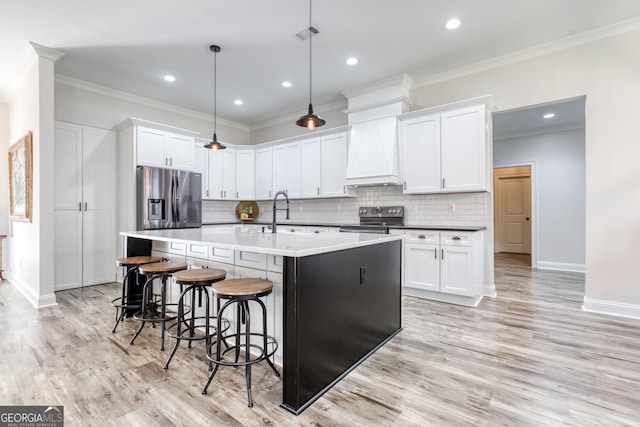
pixel 124 303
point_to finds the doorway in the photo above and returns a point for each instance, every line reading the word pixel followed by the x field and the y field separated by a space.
pixel 512 213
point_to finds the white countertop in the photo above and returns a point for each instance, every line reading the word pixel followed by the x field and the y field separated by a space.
pixel 253 240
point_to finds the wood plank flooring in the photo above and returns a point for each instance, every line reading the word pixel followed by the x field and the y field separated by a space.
pixel 527 357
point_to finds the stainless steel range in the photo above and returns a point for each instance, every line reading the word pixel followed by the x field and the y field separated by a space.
pixel 376 219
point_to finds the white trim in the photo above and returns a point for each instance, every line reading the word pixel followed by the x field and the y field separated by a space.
pixel 66 287
pixel 472 301
pixel 541 131
pixel 402 80
pixel 36 301
pixel 533 52
pixel 560 266
pixel 102 90
pixel 46 52
pixel 47 301
pixel 612 308
pixel 489 290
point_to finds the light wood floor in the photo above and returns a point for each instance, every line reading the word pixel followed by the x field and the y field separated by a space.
pixel 528 357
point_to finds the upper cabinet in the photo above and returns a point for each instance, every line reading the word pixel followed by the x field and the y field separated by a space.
pixel 245 174
pixel 201 164
pixel 310 167
pixel 164 149
pixel 444 152
pixel 222 174
pixel 333 164
pixel 264 173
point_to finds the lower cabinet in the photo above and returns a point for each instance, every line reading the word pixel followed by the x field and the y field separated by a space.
pixel 440 263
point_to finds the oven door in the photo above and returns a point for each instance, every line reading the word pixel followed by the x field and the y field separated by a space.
pixel 371 229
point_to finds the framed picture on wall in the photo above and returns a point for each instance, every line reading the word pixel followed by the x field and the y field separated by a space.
pixel 20 179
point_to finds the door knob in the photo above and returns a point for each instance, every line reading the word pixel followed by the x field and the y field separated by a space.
pixel 527 218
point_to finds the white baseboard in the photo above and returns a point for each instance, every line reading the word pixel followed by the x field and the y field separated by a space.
pixel 36 301
pixel 612 308
pixel 66 287
pixel 442 297
pixel 489 290
pixel 561 266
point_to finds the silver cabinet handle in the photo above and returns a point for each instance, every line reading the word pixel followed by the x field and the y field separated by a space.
pixel 80 206
pixel 442 253
pixel 444 184
pixel 435 253
pixel 318 190
pixel 269 193
pixel 404 185
pixel 221 194
pixel 85 206
pixel 422 236
pixel 236 194
pixel 207 193
pixel 455 238
pixel 344 189
pixel 170 161
pixel 166 160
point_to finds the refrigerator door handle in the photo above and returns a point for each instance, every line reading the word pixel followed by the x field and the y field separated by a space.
pixel 177 199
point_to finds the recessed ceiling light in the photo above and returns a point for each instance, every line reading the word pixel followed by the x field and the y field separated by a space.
pixel 286 84
pixel 549 115
pixel 352 61
pixel 169 78
pixel 452 24
pixel 238 102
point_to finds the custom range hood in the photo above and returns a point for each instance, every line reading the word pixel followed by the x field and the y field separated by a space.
pixel 374 155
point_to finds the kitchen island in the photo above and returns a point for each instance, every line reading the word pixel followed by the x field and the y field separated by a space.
pixel 339 301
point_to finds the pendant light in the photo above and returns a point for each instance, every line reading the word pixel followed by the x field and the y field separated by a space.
pixel 310 120
pixel 214 144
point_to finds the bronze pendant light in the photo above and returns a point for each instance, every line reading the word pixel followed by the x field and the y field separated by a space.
pixel 310 120
pixel 214 144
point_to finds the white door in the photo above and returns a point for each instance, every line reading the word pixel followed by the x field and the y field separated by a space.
pixel 201 165
pixel 512 206
pixel 67 213
pixel 334 164
pixel 463 149
pixel 293 169
pixel 457 273
pixel 229 174
pixel 179 150
pixel 245 175
pixel 150 148
pixel 422 266
pixel 216 190
pixel 264 167
pixel 420 145
pixel 99 235
pixel 279 177
pixel 310 167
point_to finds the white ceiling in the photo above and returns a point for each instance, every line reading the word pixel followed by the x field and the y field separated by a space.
pixel 130 45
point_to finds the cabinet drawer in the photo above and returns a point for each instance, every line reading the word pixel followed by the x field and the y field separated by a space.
pixel 221 255
pixel 159 246
pixel 422 236
pixel 197 251
pixel 274 263
pixel 177 248
pixel 456 238
pixel 251 260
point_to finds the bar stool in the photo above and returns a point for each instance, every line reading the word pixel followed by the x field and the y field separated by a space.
pixel 241 292
pixel 185 327
pixel 126 302
pixel 149 309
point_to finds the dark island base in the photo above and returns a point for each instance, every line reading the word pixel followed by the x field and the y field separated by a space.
pixel 339 308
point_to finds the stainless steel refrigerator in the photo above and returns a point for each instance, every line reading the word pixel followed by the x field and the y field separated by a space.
pixel 168 198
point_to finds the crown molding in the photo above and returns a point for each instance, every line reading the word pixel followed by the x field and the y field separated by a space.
pixel 541 131
pixel 337 105
pixel 397 80
pixel 46 52
pixel 533 52
pixel 102 90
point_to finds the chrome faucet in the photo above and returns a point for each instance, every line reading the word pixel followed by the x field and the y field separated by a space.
pixel 273 222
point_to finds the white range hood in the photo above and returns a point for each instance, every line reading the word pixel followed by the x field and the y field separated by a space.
pixel 374 156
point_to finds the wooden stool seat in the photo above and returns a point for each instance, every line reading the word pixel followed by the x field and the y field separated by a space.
pixel 242 287
pixel 162 267
pixel 199 275
pixel 137 260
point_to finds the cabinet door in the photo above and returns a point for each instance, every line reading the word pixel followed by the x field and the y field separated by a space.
pixel 463 141
pixel 310 167
pixel 179 151
pixel 458 272
pixel 263 181
pixel 422 266
pixel 99 235
pixel 334 165
pixel 229 174
pixel 279 176
pixel 292 166
pixel 216 190
pixel 150 148
pixel 201 165
pixel 420 145
pixel 245 175
pixel 372 150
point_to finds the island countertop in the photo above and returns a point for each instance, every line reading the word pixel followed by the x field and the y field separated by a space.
pixel 280 243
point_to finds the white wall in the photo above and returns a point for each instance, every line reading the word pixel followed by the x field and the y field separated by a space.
pixel 606 71
pixel 90 105
pixel 4 174
pixel 559 191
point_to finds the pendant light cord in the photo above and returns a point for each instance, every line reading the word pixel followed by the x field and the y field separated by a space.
pixel 215 97
pixel 310 50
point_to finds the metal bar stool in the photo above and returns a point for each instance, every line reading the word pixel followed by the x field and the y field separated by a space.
pixel 241 292
pixel 125 303
pixel 197 281
pixel 149 309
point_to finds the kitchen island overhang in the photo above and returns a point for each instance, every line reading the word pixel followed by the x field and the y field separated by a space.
pixel 341 298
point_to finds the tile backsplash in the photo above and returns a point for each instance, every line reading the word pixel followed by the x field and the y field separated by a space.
pixel 429 209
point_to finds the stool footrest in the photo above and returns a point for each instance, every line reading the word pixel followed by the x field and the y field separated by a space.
pixel 185 334
pixel 272 347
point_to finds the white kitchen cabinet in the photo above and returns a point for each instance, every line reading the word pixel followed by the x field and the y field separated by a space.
pixel 159 148
pixel 445 262
pixel 222 174
pixel 201 165
pixel 444 151
pixel 264 173
pixel 85 233
pixel 310 160
pixel 287 169
pixel 245 174
pixel 334 166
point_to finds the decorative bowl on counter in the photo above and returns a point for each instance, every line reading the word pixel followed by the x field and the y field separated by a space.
pixel 247 210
